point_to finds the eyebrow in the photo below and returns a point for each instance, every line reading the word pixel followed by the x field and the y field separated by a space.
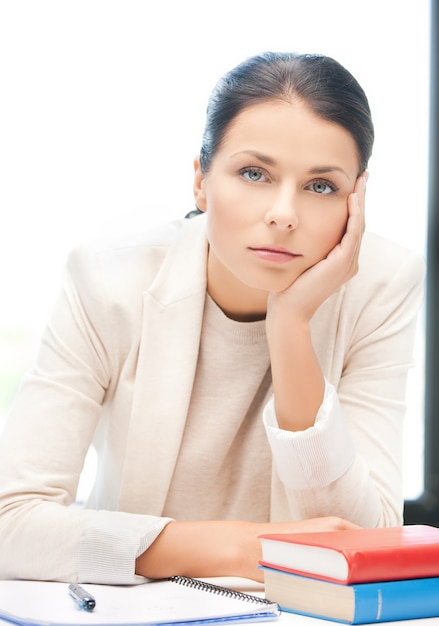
pixel 262 157
pixel 327 169
pixel 323 169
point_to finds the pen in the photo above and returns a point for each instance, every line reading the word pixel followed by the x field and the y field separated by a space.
pixel 84 599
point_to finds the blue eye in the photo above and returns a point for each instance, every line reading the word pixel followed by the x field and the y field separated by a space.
pixel 253 174
pixel 321 187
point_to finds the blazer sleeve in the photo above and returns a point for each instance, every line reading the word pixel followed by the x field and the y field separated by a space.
pixel 44 535
pixel 350 463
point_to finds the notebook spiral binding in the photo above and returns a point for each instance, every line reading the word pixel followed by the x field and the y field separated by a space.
pixel 218 590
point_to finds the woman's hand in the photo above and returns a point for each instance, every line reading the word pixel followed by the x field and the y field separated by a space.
pixel 320 281
pixel 317 524
pixel 219 548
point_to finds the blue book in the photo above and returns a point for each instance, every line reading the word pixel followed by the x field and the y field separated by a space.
pixel 362 603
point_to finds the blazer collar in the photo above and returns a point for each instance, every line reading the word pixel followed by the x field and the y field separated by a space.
pixel 183 271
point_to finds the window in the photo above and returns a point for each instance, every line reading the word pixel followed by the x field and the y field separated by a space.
pixel 425 509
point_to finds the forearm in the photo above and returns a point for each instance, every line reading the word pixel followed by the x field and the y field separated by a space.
pixel 202 549
pixel 298 382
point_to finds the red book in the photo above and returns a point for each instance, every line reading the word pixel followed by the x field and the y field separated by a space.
pixel 356 556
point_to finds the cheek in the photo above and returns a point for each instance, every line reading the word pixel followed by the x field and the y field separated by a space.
pixel 220 224
pixel 224 212
pixel 330 231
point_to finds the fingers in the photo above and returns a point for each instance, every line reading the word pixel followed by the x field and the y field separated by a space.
pixel 356 224
pixel 360 192
pixel 351 242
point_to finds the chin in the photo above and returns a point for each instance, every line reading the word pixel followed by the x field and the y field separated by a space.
pixel 275 282
pixel 268 286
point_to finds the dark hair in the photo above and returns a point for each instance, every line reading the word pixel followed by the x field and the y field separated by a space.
pixel 322 83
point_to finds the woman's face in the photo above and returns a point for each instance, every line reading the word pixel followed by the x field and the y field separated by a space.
pixel 276 201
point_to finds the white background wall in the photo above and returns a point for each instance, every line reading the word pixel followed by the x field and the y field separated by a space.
pixel 102 108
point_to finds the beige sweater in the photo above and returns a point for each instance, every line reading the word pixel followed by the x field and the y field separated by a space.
pixel 119 365
pixel 224 464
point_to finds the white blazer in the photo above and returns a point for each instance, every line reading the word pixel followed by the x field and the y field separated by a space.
pixel 116 367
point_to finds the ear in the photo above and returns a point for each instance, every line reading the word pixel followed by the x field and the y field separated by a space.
pixel 199 183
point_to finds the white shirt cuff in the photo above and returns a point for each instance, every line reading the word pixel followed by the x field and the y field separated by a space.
pixel 110 544
pixel 314 457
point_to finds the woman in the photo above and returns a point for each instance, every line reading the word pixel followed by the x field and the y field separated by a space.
pixel 240 372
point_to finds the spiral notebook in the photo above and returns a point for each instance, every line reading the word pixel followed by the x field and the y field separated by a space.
pixel 178 600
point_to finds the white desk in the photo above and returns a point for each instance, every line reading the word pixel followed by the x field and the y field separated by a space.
pixel 291 619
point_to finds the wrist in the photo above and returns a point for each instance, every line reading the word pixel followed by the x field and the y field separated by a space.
pixel 282 308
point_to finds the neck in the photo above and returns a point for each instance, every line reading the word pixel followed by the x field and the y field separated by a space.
pixel 238 301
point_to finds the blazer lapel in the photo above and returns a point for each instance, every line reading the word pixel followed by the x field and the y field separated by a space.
pixel 172 320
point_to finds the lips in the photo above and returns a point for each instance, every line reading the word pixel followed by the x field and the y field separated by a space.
pixel 274 254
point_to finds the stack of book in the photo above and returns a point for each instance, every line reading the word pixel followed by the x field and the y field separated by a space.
pixel 355 576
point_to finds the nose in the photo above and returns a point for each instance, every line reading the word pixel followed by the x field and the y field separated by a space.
pixel 282 213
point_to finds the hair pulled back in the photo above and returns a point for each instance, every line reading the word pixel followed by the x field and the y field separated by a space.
pixel 324 85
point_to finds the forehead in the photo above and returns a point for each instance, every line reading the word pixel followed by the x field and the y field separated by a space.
pixel 289 128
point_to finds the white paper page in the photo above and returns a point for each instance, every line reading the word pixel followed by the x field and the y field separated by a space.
pixel 34 602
